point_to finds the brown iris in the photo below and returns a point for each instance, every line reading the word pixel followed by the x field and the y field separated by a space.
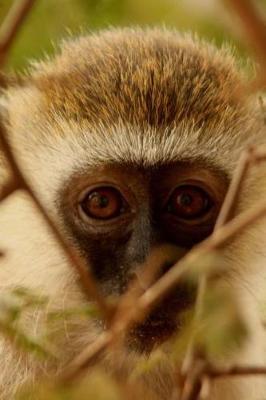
pixel 103 203
pixel 189 202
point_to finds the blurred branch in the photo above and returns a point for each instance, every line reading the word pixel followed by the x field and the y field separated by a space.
pixel 193 383
pixel 234 188
pixel 249 158
pixel 12 24
pixel 8 32
pixel 86 279
pixel 254 27
pixel 235 371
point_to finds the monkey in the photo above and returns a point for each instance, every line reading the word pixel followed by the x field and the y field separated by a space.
pixel 130 138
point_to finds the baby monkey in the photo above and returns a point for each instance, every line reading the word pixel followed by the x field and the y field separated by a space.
pixel 130 137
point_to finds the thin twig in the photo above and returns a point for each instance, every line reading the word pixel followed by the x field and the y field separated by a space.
pixel 8 31
pixel 235 371
pixel 248 158
pixel 255 30
pixel 234 188
pixel 193 383
pixel 202 371
pixel 253 25
pixel 76 261
pixel 87 357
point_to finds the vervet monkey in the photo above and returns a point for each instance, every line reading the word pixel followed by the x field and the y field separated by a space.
pixel 130 138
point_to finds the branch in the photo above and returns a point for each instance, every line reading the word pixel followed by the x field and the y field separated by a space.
pixel 12 24
pixel 193 383
pixel 254 26
pixel 255 31
pixel 202 371
pixel 234 189
pixel 235 371
pixel 87 357
pixel 75 260
pixel 8 32
pixel 249 158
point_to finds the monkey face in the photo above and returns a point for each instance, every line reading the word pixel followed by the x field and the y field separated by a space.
pixel 130 140
pixel 118 216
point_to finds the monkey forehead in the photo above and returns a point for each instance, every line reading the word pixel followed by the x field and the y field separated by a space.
pixel 153 76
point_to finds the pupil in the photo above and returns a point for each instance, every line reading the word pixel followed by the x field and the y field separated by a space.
pixel 103 201
pixel 185 200
pixel 100 200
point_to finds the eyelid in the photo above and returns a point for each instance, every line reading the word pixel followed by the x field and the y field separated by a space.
pixel 126 194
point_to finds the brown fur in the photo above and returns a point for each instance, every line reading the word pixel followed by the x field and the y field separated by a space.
pixel 142 77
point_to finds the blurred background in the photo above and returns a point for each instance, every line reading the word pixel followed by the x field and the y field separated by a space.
pixel 51 20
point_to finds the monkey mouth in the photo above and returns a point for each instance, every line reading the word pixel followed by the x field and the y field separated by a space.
pixel 164 321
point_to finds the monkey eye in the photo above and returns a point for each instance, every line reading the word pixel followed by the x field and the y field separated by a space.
pixel 103 203
pixel 189 202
